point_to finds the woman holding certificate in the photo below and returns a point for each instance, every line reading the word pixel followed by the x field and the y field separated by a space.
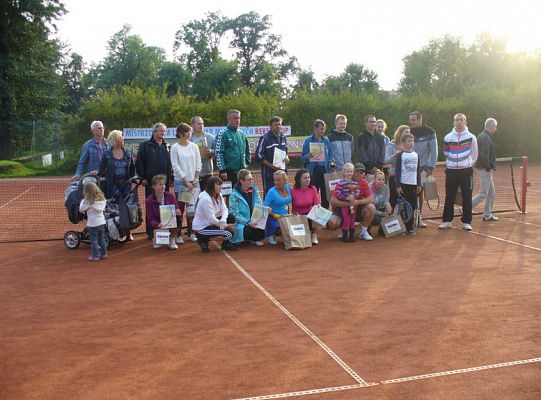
pixel 212 218
pixel 278 199
pixel 304 197
pixel 161 203
pixel 186 163
pixel 242 202
pixel 317 155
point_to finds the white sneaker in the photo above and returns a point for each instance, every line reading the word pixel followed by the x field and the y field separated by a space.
pixel 466 227
pixel 192 238
pixel 257 242
pixel 364 235
pixel 490 218
pixel 272 240
pixel 314 239
pixel 422 224
pixel 445 225
pixel 172 245
pixel 156 246
pixel 179 240
pixel 339 234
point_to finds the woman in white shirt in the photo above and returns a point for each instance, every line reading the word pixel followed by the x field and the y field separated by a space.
pixel 212 217
pixel 186 163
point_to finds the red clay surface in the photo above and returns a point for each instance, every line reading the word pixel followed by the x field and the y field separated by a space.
pixel 158 324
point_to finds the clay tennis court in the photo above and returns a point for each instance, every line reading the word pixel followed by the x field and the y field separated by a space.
pixel 443 315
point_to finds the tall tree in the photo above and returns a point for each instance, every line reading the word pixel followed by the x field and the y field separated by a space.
pixel 129 62
pixel 29 84
pixel 73 72
pixel 176 78
pixel 306 82
pixel 255 46
pixel 220 79
pixel 356 79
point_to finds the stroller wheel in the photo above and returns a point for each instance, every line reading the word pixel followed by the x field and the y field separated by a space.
pixel 72 239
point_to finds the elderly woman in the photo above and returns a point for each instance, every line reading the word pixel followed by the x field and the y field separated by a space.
pixel 212 218
pixel 303 197
pixel 242 201
pixel 116 166
pixel 186 163
pixel 390 150
pixel 278 198
pixel 153 202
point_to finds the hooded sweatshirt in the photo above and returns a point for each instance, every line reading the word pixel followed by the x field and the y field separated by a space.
pixel 342 146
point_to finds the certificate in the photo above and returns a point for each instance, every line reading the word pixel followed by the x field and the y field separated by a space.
pixel 278 159
pixel 320 215
pixel 168 216
pixel 318 151
pixel 259 216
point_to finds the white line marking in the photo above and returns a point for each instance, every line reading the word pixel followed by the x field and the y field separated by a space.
pixel 495 238
pixel 307 392
pixel 331 353
pixel 461 371
pixel 528 223
pixel 15 198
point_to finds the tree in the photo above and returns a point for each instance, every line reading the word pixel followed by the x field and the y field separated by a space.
pixel 203 38
pixel 175 78
pixel 30 88
pixel 306 82
pixel 256 47
pixel 129 62
pixel 356 79
pixel 220 79
pixel 73 72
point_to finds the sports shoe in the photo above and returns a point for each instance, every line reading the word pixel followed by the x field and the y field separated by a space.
pixel 272 240
pixel 410 232
pixel 364 235
pixel 179 240
pixel 466 227
pixel 204 246
pixel 445 225
pixel 93 258
pixel 172 245
pixel 314 239
pixel 257 242
pixel 156 246
pixel 422 224
pixel 192 238
pixel 229 246
pixel 130 238
pixel 490 218
pixel 104 257
pixel 339 234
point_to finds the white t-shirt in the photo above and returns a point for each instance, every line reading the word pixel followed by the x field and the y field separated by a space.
pixel 409 168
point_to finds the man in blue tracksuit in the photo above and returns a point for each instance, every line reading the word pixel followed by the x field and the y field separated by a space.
pixel 320 162
pixel 273 139
pixel 341 142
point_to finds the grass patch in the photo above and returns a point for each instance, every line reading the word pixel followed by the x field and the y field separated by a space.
pixel 13 169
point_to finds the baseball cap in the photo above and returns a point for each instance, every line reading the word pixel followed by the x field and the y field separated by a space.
pixel 360 167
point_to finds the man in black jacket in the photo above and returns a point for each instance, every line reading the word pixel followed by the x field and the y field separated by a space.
pixel 371 146
pixel 153 159
pixel 485 164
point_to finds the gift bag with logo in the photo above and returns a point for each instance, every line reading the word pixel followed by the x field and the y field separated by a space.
pixel 392 225
pixel 161 236
pixel 331 179
pixel 295 231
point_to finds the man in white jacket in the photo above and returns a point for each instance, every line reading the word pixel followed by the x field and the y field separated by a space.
pixel 460 150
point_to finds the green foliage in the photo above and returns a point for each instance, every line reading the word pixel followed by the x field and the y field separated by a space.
pixel 356 79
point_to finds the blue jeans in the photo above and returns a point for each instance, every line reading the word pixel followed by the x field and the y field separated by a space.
pixel 97 240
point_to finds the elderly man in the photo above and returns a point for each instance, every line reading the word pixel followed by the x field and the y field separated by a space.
pixel 205 141
pixel 460 149
pixel 231 149
pixel 92 151
pixel 273 139
pixel 366 210
pixel 486 163
pixel 371 146
pixel 426 147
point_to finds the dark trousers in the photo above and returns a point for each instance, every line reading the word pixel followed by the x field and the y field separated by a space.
pixel 253 234
pixel 410 194
pixel 232 177
pixel 454 179
pixel 392 191
pixel 318 180
pixel 267 176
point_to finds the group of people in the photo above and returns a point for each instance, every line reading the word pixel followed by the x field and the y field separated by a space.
pixel 188 166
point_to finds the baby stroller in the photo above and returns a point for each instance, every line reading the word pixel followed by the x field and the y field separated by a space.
pixel 121 213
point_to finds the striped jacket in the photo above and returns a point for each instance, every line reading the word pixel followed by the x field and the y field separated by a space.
pixel 460 149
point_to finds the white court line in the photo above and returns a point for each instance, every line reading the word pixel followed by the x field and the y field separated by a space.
pixel 461 371
pixel 493 237
pixel 331 353
pixel 307 392
pixel 529 223
pixel 15 198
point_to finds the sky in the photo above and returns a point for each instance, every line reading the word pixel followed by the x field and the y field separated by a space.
pixel 325 37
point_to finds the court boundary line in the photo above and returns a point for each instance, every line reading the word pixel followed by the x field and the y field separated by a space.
pixel 15 198
pixel 492 237
pixel 440 374
pixel 529 223
pixel 303 327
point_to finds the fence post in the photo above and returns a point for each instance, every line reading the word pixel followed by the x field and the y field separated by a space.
pixel 55 151
pixel 525 184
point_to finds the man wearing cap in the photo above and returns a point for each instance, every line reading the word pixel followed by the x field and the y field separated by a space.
pixel 366 210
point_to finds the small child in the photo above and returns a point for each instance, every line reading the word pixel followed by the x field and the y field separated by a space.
pixel 408 176
pixel 348 189
pixel 93 205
